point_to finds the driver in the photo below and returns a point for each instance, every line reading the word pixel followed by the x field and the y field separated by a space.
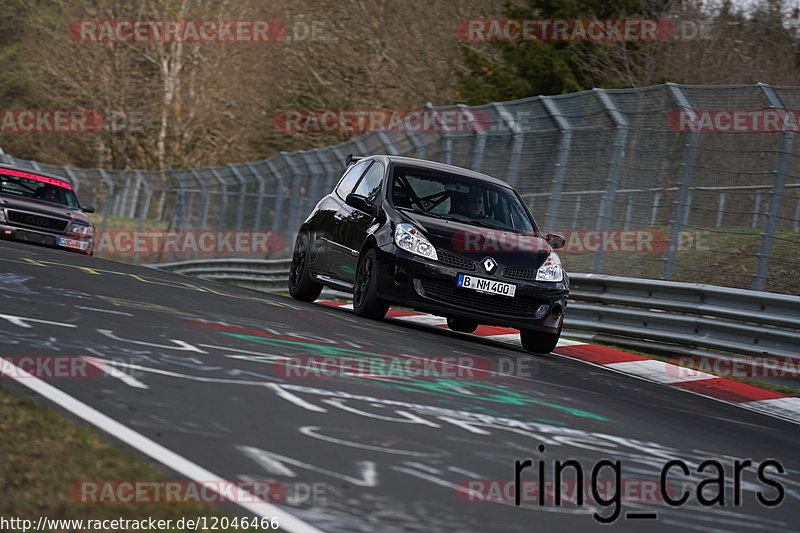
pixel 470 205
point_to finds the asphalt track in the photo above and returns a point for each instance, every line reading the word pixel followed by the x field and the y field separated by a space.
pixel 207 383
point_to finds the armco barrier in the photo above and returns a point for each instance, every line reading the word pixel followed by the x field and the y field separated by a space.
pixel 674 318
pixel 263 274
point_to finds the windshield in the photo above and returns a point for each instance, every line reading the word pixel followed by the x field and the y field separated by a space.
pixel 456 197
pixel 33 187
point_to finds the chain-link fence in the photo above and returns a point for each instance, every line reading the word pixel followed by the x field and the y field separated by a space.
pixel 687 183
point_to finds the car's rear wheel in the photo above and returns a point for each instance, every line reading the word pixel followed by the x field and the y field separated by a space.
pixel 538 342
pixel 463 325
pixel 301 286
pixel 365 289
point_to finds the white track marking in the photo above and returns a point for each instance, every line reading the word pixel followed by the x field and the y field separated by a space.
pixel 181 345
pixel 659 371
pixel 115 373
pixel 270 460
pixel 286 395
pixel 109 311
pixel 23 321
pixel 163 455
pixel 783 407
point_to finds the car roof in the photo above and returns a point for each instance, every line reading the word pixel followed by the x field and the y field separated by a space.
pixel 36 172
pixel 424 163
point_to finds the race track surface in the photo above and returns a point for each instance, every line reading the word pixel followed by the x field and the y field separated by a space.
pixel 209 381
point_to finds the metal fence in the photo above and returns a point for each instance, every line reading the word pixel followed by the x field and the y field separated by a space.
pixel 721 207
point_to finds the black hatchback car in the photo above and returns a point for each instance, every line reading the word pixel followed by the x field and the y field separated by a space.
pixel 436 238
pixel 42 209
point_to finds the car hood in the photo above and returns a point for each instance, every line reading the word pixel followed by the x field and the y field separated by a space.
pixel 41 208
pixel 477 242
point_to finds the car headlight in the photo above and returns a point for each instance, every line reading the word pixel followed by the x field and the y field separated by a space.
pixel 3 215
pixel 412 240
pixel 80 229
pixel 551 269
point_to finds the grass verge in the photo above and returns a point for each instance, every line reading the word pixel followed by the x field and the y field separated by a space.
pixel 44 453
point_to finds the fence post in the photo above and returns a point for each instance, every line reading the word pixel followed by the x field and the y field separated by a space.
pixel 111 198
pixel 143 212
pixel 447 141
pixel 76 182
pixel 687 171
pixel 262 190
pixel 295 175
pixel 656 205
pixel 564 145
pixel 201 220
pixel 518 138
pixel 419 147
pixel 479 139
pixel 278 207
pixel 775 195
pixel 720 209
pixel 318 184
pixel 387 142
pixel 324 165
pixel 223 210
pixel 242 194
pixel 606 210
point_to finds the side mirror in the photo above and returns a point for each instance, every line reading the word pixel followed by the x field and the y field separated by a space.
pixel 86 208
pixel 359 202
pixel 555 240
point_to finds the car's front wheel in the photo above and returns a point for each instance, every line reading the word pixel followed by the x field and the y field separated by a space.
pixel 301 286
pixel 538 342
pixel 365 289
pixel 463 325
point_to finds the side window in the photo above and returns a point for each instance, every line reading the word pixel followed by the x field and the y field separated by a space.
pixel 370 184
pixel 351 178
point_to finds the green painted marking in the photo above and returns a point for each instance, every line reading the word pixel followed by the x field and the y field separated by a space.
pixel 441 386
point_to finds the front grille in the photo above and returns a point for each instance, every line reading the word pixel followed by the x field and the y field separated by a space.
pixel 526 273
pixel 37 221
pixel 447 292
pixel 458 261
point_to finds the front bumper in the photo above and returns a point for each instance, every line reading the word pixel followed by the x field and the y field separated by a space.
pixel 430 286
pixel 67 241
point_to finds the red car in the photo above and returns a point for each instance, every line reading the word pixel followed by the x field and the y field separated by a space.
pixel 42 209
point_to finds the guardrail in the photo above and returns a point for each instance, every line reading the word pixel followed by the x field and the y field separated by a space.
pixel 664 316
pixel 262 274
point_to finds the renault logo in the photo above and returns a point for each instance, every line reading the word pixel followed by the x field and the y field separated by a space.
pixel 489 264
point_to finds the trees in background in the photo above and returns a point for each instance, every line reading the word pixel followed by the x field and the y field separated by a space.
pixel 713 43
pixel 185 104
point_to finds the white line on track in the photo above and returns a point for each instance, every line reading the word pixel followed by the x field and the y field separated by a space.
pixel 172 460
pixel 115 373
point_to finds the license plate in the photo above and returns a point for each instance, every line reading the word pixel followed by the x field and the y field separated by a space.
pixel 486 285
pixel 72 243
